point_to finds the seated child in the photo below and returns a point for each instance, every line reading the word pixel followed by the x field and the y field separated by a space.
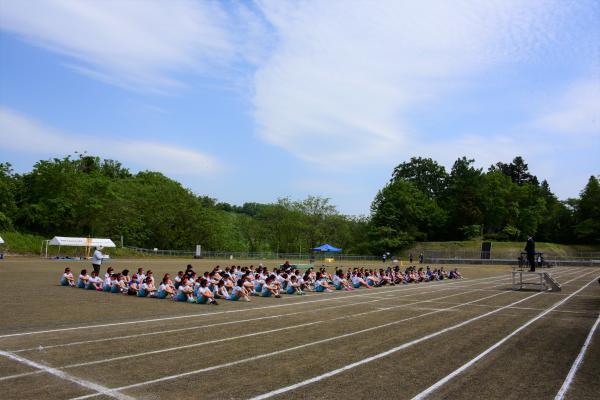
pixel 321 284
pixel 340 282
pixel 185 292
pixel 238 292
pixel 141 276
pixel 83 279
pixel 258 282
pixel 248 284
pixel 134 287
pixel 178 279
pixel 120 286
pixel 293 286
pixel 358 281
pixel 95 282
pixel 221 291
pixel 166 288
pixel 204 294
pixel 67 278
pixel 109 272
pixel 147 288
pixel 454 274
pixel 107 282
pixel 270 288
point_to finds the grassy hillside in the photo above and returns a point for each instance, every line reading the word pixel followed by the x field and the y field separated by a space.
pixel 499 249
pixel 21 243
pixel 30 244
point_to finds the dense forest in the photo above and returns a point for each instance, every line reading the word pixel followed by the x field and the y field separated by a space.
pixel 85 195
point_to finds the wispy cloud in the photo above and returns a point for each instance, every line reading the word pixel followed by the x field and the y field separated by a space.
pixel 24 135
pixel 574 112
pixel 344 75
pixel 130 43
pixel 333 83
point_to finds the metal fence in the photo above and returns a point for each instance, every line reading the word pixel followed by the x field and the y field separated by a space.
pixel 447 256
pixel 503 254
pixel 242 255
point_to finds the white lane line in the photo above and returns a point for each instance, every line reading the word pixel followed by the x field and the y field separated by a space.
pixel 329 339
pixel 514 308
pixel 138 335
pixel 470 285
pixel 266 355
pixel 177 348
pixel 143 321
pixel 388 352
pixel 436 289
pixel 499 343
pixel 569 379
pixel 101 390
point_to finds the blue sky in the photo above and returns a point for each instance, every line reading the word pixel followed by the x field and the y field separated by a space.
pixel 251 101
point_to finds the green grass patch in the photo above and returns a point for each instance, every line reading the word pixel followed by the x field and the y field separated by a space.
pixel 502 249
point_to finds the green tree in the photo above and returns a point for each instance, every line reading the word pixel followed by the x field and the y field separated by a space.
pixel 517 171
pixel 8 205
pixel 462 201
pixel 401 213
pixel 587 214
pixel 427 175
pixel 556 221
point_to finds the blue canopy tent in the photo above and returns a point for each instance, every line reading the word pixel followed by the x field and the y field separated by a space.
pixel 327 248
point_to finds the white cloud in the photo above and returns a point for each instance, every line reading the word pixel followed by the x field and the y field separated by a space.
pixel 333 82
pixel 575 112
pixel 24 135
pixel 343 75
pixel 135 44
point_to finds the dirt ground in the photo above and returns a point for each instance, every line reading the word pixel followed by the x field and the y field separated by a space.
pixel 473 338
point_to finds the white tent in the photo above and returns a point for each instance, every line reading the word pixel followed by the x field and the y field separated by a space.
pixel 80 242
pixel 1 241
pixel 88 243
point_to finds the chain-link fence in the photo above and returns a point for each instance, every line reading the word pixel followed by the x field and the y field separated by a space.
pixel 241 255
pixel 445 256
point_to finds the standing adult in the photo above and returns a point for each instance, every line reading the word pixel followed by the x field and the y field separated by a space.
pixel 530 250
pixel 97 258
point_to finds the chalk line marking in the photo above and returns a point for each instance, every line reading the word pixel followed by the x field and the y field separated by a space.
pixel 143 321
pixel 569 379
pixel 116 390
pixel 261 356
pixel 388 352
pixel 499 343
pixel 106 360
pixel 517 308
pixel 470 285
pixel 137 335
pixel 102 390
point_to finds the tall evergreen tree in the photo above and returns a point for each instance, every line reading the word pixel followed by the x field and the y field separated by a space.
pixel 587 213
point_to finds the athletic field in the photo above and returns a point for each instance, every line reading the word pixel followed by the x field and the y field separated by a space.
pixel 467 339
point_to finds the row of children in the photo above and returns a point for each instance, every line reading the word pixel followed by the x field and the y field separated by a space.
pixel 235 283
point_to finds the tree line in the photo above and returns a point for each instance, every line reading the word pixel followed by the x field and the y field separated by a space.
pixel 423 201
pixel 89 196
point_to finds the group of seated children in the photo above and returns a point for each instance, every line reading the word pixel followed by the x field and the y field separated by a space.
pixel 236 283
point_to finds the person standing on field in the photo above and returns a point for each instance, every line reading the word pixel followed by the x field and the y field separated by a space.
pixel 97 258
pixel 530 250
